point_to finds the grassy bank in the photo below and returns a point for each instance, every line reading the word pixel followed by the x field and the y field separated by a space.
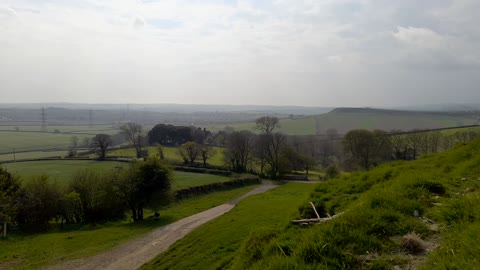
pixel 393 216
pixel 33 251
pixel 215 244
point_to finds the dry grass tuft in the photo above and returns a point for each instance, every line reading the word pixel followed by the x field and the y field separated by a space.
pixel 413 243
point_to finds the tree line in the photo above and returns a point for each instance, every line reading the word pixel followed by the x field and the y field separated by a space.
pixel 89 198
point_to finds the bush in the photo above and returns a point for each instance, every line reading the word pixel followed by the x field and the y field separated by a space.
pixel 332 172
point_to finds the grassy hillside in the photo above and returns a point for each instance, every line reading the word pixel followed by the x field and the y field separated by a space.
pixel 411 215
pixel 300 126
pixel 214 245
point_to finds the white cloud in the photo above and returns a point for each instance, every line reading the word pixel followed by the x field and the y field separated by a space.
pixel 239 52
pixel 419 37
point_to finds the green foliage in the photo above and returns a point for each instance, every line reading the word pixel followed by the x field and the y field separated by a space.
pixel 39 202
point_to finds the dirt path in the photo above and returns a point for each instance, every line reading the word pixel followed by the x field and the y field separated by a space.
pixel 133 254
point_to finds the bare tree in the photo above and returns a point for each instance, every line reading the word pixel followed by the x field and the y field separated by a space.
pixel 134 134
pixel 239 150
pixel 267 124
pixel 206 152
pixel 276 144
pixel 100 143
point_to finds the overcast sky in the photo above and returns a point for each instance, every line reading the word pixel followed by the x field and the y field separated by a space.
pixel 279 52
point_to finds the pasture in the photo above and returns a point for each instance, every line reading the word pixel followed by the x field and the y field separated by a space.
pixel 35 141
pixel 64 170
pixel 170 153
pixel 32 155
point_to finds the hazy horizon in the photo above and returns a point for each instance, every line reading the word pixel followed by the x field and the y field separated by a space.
pixel 332 53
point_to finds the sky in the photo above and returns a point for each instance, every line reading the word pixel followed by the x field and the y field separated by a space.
pixel 279 52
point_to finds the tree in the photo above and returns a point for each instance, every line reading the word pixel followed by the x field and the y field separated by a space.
pixel 267 124
pixel 142 184
pixel 134 134
pixel 72 149
pixel 10 191
pixel 275 145
pixel 239 150
pixel 97 196
pixel 366 147
pixel 100 143
pixel 40 202
pixel 206 152
pixel 189 152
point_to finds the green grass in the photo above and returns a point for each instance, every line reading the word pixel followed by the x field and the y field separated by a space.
pixel 301 126
pixel 61 170
pixel 170 153
pixel 379 208
pixel 186 179
pixel 214 245
pixel 32 141
pixel 108 129
pixel 34 251
pixel 32 155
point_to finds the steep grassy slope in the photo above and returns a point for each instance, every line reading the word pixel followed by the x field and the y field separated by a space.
pixel 436 198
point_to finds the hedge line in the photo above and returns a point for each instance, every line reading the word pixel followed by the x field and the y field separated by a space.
pixel 202 170
pixel 213 187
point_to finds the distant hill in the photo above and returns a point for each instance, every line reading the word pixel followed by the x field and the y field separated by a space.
pixel 345 119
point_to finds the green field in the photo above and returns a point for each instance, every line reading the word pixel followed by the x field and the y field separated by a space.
pixel 213 245
pixel 35 141
pixel 32 155
pixel 301 126
pixel 34 251
pixel 186 179
pixel 61 170
pixel 170 153
pixel 64 170
pixel 108 129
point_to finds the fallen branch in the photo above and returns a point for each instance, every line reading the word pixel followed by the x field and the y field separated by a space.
pixel 315 220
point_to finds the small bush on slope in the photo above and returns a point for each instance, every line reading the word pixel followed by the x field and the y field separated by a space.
pixel 380 207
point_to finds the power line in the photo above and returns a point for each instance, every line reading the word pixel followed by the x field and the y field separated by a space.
pixel 44 119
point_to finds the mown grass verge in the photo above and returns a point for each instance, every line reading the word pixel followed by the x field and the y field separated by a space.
pixel 215 244
pixel 33 251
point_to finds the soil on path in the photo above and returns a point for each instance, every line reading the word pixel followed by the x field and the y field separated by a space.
pixel 133 254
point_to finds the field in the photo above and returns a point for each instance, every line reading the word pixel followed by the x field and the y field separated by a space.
pixel 107 129
pixel 32 155
pixel 214 245
pixel 35 141
pixel 301 126
pixel 170 153
pixel 64 170
pixel 34 251
pixel 61 170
